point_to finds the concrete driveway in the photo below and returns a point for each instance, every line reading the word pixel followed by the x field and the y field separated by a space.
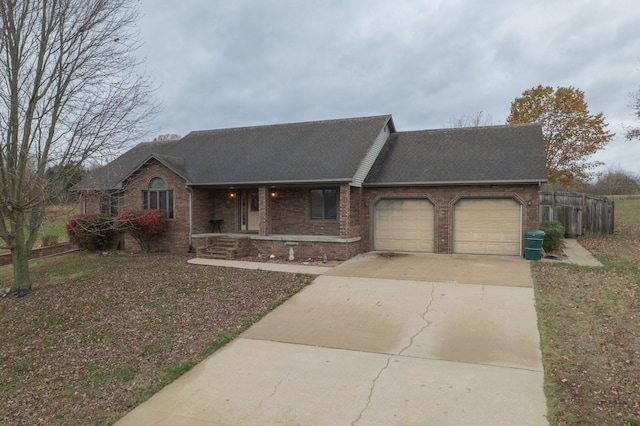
pixel 402 340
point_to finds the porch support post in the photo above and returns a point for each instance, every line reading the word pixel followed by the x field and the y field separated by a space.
pixel 265 210
pixel 345 211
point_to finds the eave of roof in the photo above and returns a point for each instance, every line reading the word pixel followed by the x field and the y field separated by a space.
pixel 271 183
pixel 112 175
pixel 166 160
pixel 457 183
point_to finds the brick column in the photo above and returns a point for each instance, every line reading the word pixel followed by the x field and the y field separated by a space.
pixel 265 210
pixel 344 214
pixel 443 227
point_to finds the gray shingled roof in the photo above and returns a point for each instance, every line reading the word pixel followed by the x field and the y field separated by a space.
pixel 112 175
pixel 331 151
pixel 318 151
pixel 287 153
pixel 497 154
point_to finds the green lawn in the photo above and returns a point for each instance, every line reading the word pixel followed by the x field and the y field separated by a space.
pixel 56 219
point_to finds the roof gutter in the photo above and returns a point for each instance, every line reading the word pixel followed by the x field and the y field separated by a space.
pixel 457 183
pixel 273 182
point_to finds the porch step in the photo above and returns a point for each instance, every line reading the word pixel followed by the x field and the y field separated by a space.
pixel 224 248
pixel 220 242
pixel 208 253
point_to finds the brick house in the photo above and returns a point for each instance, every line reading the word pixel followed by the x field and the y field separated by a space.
pixel 334 188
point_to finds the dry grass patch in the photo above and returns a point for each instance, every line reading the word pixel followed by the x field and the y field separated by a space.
pixel 589 320
pixel 102 334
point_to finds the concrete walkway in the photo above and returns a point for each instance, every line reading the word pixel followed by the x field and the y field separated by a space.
pixel 578 254
pixel 448 340
pixel 293 268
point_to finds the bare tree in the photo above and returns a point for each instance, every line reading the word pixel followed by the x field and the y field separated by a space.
pixel 634 132
pixel 70 91
pixel 616 181
pixel 472 120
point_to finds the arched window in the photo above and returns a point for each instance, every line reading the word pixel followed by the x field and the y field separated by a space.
pixel 157 183
pixel 158 197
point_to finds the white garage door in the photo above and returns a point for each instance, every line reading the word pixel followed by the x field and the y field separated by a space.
pixel 403 225
pixel 487 226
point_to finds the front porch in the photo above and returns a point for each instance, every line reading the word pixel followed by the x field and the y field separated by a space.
pixel 269 210
pixel 231 246
pixel 234 223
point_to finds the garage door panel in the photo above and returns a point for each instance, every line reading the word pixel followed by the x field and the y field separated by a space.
pixel 403 225
pixel 487 247
pixel 487 226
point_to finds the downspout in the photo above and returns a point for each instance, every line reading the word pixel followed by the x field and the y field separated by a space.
pixel 523 212
pixel 190 218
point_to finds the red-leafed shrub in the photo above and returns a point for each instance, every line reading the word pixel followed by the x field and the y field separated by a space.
pixel 142 225
pixel 90 231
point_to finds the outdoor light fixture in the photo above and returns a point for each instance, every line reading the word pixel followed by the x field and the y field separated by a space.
pixel 232 194
pixel 274 194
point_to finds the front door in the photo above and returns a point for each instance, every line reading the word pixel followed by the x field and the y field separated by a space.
pixel 249 210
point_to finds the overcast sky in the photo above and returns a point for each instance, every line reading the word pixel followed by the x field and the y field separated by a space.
pixel 235 63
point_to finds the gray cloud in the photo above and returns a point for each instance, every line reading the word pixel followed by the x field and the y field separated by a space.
pixel 239 63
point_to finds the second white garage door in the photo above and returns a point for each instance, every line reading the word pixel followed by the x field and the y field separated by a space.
pixel 487 226
pixel 403 225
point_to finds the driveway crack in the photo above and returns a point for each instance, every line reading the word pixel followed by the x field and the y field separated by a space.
pixel 373 387
pixel 271 395
pixel 375 380
pixel 275 388
pixel 424 318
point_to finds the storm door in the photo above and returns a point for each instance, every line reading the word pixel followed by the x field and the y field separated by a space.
pixel 249 210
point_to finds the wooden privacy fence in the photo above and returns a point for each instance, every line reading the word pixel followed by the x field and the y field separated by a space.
pixel 580 214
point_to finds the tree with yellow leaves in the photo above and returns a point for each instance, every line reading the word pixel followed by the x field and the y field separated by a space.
pixel 571 134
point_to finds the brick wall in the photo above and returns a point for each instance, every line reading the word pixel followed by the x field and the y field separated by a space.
pixel 344 210
pixel 176 238
pixel 203 210
pixel 313 250
pixel 444 199
pixel 225 207
pixel 92 201
pixel 264 219
pixel 356 212
pixel 290 215
pixel 218 204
